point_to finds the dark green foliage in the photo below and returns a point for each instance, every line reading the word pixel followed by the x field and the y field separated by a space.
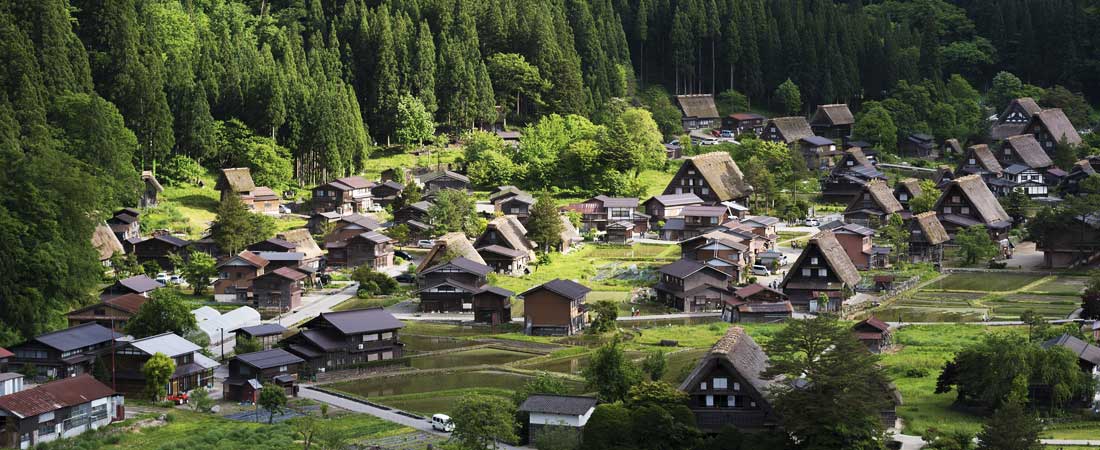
pixel 247 345
pixel 611 374
pixel 1010 428
pixel 380 283
pixel 655 365
pixel 605 312
pixel 975 244
pixel 453 210
pixel 236 227
pixel 273 399
pixel 164 312
pixel 544 225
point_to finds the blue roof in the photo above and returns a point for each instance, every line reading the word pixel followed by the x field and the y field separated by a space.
pixel 818 141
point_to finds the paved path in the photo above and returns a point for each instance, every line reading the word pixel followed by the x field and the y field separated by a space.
pixel 354 406
pixel 310 310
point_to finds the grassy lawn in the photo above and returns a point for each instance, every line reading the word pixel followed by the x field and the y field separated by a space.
pixel 429 403
pixel 383 159
pixel 788 235
pixel 372 302
pixel 188 429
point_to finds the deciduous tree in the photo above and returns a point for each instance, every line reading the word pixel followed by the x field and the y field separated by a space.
pixel 157 371
pixel 611 373
pixel 273 399
pixel 482 420
pixel 975 244
pixel 164 312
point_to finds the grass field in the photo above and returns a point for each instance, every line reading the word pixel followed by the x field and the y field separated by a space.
pixel 971 297
pixel 188 429
pixel 1001 282
pixel 383 159
pixel 639 251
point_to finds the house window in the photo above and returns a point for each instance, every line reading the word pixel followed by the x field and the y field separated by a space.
pixel 850 163
pixel 971 161
pixel 370 337
pixel 691 172
pixel 703 386
pixel 813 260
pixel 720 383
pixel 903 196
pixel 387 335
pixel 947 210
pixel 731 401
pixel 965 210
pixel 806 272
pixel 282 368
pixel 710 400
pixel 46 428
pixel 736 386
pixel 822 273
pixel 706 191
pixel 1008 151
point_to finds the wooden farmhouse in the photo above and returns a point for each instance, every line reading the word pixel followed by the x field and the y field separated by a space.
pixel 833 121
pixel 713 177
pixel 727 387
pixel 555 308
pixel 823 273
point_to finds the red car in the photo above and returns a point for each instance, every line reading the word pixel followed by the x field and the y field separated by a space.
pixel 178 399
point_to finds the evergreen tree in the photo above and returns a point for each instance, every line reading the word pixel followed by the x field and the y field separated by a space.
pixel 544 224
pixel 1010 428
pixel 423 81
pixel 235 227
pixel 788 97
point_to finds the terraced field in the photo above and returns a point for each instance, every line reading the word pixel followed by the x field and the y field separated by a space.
pixel 977 297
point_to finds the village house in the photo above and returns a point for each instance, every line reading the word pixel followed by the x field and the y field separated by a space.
pixel 504 245
pixel 698 111
pixel 304 243
pixel 450 245
pixel 764 227
pixel 112 313
pixel 138 284
pixel 351 225
pixel 699 219
pixel 1088 355
pixel 663 207
pixel 757 303
pixel 414 212
pixel 600 211
pixel 873 333
pixel 857 241
pixel 819 152
pixel 555 308
pixel 966 202
pixel 276 260
pixel 235 276
pixel 151 191
pixel 106 244
pixel 906 190
pixel 1078 245
pixel 1025 164
pixel 236 181
pixel 745 234
pixel 278 290
pixel 266 334
pixel 919 145
pixel 56 410
pixel 720 251
pixel 371 248
pixel 822 270
pixel 713 177
pixel 345 339
pixel 343 195
pixel 944 175
pixel 460 285
pixel 1014 118
pixel 63 353
pixel 511 138
pixel 979 160
pixel 434 182
pixel 193 369
pixel 873 206
pixel 744 123
pixel 385 193
pixel 833 121
pixel 570 237
pixel 265 201
pixel 125 224
pixel 926 238
pixel 248 372
pixel 548 411
pixel 787 130
pixel 726 387
pixel 514 204
pixel 673 150
pixel 1051 127
pixel 322 223
pixel 157 249
pixel 621 232
pixel 848 176
pixel 952 148
pixel 691 286
pixel 1081 171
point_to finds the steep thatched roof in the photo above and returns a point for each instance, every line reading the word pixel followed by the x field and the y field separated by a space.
pixel 455 244
pixel 952 146
pixel 569 233
pixel 912 185
pixel 237 179
pixel 722 174
pixel 984 157
pixel 150 180
pixel 105 242
pixel 835 257
pixel 883 196
pixel 931 228
pixel 975 190
pixel 1058 125
pixel 1029 151
pixel 742 353
pixel 793 128
pixel 701 106
pixel 509 228
pixel 303 242
pixel 836 114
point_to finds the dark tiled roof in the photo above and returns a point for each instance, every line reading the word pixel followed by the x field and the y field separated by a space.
pixel 558 404
pixel 818 141
pixel 565 288
pixel 766 307
pixel 55 395
pixel 1081 349
pixel 269 358
pixel 500 250
pixel 676 199
pixel 276 242
pixel 264 329
pixel 140 283
pixel 467 265
pixel 704 211
pixel 361 320
pixel 76 337
pixel 753 289
pixel 281 256
pixel 682 268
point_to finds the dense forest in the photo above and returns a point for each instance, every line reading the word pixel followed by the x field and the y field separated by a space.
pixel 92 92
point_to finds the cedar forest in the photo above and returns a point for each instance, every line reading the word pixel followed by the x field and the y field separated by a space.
pixel 93 92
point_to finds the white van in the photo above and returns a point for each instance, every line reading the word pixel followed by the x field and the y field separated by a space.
pixel 442 422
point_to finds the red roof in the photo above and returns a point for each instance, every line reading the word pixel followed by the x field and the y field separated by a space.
pixel 287 273
pixel 55 395
pixel 873 322
pixel 127 302
pixel 5 353
pixel 753 289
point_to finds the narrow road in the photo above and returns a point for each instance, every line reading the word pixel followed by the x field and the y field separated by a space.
pixel 311 310
pixel 359 407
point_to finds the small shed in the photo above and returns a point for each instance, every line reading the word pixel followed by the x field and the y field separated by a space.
pixel 620 232
pixel 873 333
pixel 547 411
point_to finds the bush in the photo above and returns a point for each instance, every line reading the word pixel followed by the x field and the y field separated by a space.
pixel 373 282
pixel 179 170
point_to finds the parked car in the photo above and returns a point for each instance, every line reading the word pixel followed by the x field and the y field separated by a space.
pixel 442 422
pixel 178 399
pixel 405 278
pixel 812 222
pixel 727 133
pixel 284 209
pixel 760 271
pixel 425 243
pixel 715 132
pixel 162 278
pixel 402 254
pixel 374 208
pixel 175 279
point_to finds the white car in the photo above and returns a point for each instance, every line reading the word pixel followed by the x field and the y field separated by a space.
pixel 425 243
pixel 175 279
pixel 761 271
pixel 442 422
pixel 162 278
pixel 812 222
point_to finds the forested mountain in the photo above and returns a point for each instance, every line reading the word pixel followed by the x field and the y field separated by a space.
pixel 92 92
